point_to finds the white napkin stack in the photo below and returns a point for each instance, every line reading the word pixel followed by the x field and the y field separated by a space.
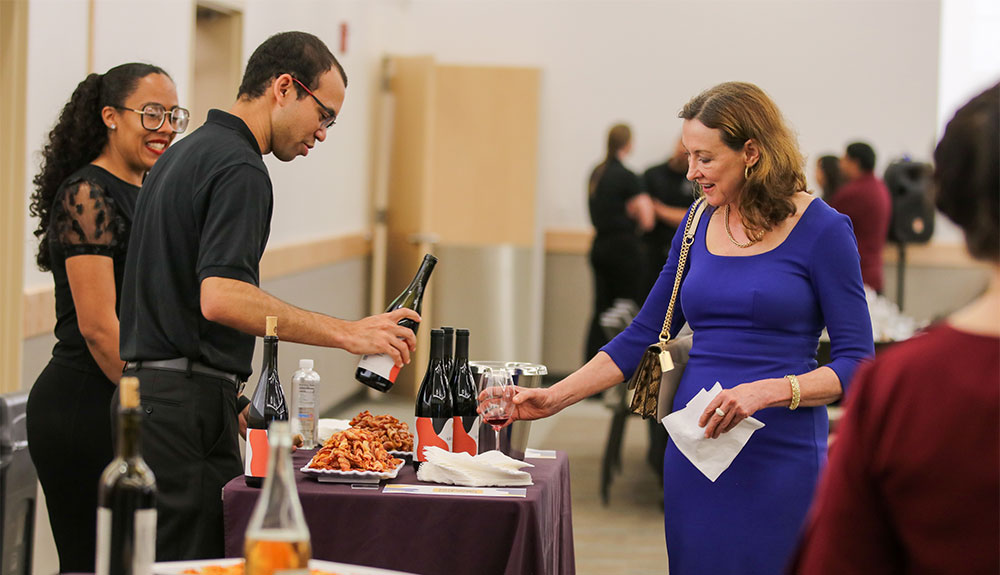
pixel 710 456
pixel 490 469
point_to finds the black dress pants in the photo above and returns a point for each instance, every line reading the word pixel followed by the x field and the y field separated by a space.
pixel 190 440
pixel 619 266
pixel 70 442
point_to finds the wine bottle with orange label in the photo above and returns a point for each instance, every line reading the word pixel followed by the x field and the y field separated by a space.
pixel 434 403
pixel 463 388
pixel 267 405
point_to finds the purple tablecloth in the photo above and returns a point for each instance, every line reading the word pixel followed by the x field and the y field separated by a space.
pixel 428 534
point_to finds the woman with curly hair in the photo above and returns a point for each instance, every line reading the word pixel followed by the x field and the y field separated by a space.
pixel 108 136
pixel 770 267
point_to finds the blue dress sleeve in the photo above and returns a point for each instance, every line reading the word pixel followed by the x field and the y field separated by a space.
pixel 835 271
pixel 627 347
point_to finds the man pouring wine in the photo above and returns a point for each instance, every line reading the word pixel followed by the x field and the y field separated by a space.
pixel 191 304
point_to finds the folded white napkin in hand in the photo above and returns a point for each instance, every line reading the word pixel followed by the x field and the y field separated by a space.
pixel 326 427
pixel 710 456
pixel 490 469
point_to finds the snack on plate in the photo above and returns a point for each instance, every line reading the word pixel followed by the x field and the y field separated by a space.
pixel 353 450
pixel 393 433
pixel 236 569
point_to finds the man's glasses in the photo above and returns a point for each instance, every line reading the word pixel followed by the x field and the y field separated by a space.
pixel 331 116
pixel 153 116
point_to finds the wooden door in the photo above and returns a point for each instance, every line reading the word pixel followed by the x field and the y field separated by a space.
pixel 464 143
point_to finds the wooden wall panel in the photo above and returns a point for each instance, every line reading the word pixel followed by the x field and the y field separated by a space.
pixel 484 169
pixel 13 99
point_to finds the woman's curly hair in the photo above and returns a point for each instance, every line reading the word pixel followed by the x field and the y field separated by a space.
pixel 78 137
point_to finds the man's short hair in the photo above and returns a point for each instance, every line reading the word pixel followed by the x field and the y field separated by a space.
pixel 300 54
pixel 863 154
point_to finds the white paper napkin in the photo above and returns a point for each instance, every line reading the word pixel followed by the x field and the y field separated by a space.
pixel 326 427
pixel 710 456
pixel 490 469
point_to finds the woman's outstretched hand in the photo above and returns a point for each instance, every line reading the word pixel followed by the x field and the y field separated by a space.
pixel 534 403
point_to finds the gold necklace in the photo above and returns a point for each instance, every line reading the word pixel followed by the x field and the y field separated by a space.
pixel 729 232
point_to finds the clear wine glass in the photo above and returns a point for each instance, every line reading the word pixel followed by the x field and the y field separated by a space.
pixel 496 394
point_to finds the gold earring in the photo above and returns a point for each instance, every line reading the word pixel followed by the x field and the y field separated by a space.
pixel 746 172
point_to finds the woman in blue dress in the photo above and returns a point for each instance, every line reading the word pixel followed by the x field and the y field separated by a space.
pixel 771 266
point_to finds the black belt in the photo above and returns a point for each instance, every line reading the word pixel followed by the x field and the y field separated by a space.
pixel 184 365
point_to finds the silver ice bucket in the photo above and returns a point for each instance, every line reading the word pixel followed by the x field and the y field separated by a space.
pixel 514 437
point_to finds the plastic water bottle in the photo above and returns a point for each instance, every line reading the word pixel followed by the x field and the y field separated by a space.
pixel 304 384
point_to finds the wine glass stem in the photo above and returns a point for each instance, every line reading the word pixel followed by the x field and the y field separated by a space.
pixel 497 433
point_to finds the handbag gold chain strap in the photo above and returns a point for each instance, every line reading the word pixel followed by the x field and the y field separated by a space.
pixel 686 243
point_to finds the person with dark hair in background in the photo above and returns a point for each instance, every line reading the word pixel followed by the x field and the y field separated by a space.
pixel 828 176
pixel 769 268
pixel 191 305
pixel 864 198
pixel 110 133
pixel 619 211
pixel 913 484
pixel 672 194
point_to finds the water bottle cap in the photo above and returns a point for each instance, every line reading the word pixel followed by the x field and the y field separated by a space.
pixel 305 364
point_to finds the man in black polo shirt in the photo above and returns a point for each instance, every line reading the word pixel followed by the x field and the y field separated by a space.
pixel 191 306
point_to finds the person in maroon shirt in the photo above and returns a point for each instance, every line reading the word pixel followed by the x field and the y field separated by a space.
pixel 913 483
pixel 865 199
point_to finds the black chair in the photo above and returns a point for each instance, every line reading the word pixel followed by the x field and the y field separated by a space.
pixel 18 488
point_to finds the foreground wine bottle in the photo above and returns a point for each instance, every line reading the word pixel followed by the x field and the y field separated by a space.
pixel 465 427
pixel 267 405
pixel 277 537
pixel 434 404
pixel 126 512
pixel 379 371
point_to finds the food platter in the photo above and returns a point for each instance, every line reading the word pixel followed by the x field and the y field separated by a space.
pixel 353 476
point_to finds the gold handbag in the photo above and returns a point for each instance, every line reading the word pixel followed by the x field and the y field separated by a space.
pixel 659 372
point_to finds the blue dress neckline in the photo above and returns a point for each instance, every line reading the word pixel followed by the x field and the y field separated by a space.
pixel 704 234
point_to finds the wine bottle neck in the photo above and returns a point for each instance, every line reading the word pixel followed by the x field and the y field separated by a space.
pixel 461 348
pixel 270 353
pixel 129 436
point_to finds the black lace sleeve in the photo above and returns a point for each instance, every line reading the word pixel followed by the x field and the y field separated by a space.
pixel 86 221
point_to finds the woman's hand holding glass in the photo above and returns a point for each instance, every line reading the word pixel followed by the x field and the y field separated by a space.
pixel 496 399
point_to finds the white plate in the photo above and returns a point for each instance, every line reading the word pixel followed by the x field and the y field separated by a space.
pixel 337 475
pixel 401 454
pixel 178 567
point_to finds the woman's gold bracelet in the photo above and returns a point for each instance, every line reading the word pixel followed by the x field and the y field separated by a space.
pixel 796 392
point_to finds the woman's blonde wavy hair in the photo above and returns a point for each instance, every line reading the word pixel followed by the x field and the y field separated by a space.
pixel 742 112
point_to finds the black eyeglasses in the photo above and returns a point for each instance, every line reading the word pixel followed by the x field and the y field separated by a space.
pixel 331 116
pixel 153 116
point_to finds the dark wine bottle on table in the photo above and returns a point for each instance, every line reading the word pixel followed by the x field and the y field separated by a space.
pixel 465 427
pixel 434 404
pixel 449 354
pixel 379 371
pixel 126 512
pixel 267 405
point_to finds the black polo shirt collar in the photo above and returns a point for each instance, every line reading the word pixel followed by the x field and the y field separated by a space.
pixel 234 123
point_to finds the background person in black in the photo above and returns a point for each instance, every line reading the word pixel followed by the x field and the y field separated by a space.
pixel 619 211
pixel 672 195
pixel 85 192
pixel 191 305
